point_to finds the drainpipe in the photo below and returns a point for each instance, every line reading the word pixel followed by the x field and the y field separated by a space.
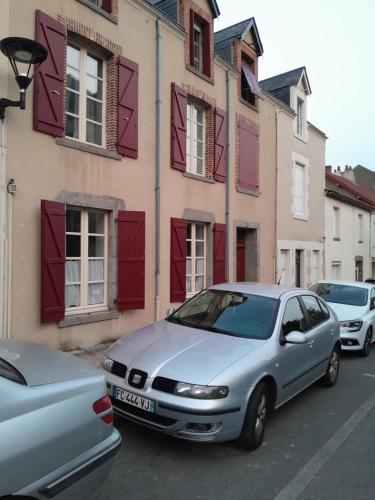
pixel 3 236
pixel 157 176
pixel 227 185
pixel 278 276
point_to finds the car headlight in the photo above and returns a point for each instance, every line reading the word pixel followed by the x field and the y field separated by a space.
pixel 107 364
pixel 352 326
pixel 201 391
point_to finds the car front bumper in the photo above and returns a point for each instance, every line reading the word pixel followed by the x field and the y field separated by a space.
pixel 184 418
pixel 352 341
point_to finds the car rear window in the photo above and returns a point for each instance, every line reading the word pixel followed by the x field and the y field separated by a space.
pixel 9 372
pixel 341 294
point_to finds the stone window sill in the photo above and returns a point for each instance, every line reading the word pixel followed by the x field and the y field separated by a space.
pixel 198 177
pixel 208 79
pixel 83 318
pixel 87 148
pixel 249 105
pixel 250 192
pixel 99 11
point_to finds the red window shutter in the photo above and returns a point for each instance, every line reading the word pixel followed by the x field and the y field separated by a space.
pixel 107 5
pixel 131 260
pixel 220 144
pixel 178 128
pixel 219 253
pixel 48 112
pixel 191 38
pixel 206 48
pixel 248 153
pixel 178 260
pixel 127 144
pixel 52 261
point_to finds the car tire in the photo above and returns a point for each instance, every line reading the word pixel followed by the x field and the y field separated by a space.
pixel 330 377
pixel 365 351
pixel 252 432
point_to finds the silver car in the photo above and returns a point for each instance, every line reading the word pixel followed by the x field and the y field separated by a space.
pixel 213 369
pixel 57 439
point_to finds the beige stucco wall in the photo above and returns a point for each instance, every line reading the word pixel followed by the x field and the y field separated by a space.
pixel 348 247
pixel 42 170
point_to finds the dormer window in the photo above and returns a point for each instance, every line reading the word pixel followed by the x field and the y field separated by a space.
pixel 200 44
pixel 249 85
pixel 300 116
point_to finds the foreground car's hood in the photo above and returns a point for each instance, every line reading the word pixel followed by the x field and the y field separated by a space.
pixel 345 312
pixel 40 364
pixel 179 352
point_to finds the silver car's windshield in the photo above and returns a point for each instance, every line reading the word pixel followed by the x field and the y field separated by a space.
pixel 341 294
pixel 232 313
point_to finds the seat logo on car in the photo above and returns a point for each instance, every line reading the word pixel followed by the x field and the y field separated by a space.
pixel 137 378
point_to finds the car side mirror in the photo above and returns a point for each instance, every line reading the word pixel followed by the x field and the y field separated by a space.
pixel 372 303
pixel 295 338
pixel 170 311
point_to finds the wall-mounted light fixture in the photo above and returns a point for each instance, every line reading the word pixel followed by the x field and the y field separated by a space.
pixel 27 52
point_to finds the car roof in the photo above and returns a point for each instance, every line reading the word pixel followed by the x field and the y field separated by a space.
pixel 358 284
pixel 264 289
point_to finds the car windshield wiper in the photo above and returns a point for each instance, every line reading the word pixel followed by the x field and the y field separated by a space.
pixel 175 319
pixel 209 328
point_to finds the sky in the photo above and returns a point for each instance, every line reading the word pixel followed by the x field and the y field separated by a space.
pixel 331 39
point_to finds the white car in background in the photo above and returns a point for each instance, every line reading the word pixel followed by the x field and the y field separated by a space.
pixel 354 304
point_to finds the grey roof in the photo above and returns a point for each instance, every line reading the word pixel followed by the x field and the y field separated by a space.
pixel 364 177
pixel 169 7
pixel 284 80
pixel 225 37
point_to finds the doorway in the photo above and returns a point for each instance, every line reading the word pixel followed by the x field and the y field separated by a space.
pixel 297 280
pixel 246 254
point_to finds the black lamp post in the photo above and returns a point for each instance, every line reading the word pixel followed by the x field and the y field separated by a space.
pixel 21 50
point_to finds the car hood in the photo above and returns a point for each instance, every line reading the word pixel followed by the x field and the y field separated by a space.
pixel 345 312
pixel 39 364
pixel 179 352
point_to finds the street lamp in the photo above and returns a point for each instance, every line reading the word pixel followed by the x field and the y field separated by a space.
pixel 21 50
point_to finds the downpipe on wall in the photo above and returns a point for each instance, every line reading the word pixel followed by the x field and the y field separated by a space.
pixel 157 175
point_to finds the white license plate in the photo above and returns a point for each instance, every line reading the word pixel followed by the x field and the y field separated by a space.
pixel 133 399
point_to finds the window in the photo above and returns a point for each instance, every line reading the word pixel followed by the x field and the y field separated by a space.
pixel 86 260
pixel 102 4
pixel 300 116
pixel 314 311
pixel 84 100
pixel 294 319
pixel 336 223
pixel 341 294
pixel 198 47
pixel 299 207
pixel 249 85
pixel 360 228
pixel 195 130
pixel 336 270
pixel 195 258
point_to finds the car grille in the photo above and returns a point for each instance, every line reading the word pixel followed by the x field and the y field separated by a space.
pixel 138 412
pixel 118 369
pixel 164 384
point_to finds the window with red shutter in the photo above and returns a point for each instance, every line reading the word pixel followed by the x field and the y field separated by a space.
pixel 131 260
pixel 219 253
pixel 178 127
pixel 52 261
pixel 220 144
pixel 248 157
pixel 48 112
pixel 178 260
pixel 127 144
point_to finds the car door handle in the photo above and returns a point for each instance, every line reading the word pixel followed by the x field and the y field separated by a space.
pixel 311 343
pixel 332 332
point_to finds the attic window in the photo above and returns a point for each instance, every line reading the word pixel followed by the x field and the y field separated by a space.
pixel 200 44
pixel 249 85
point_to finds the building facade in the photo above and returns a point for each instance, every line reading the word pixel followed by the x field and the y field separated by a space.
pixel 300 181
pixel 142 166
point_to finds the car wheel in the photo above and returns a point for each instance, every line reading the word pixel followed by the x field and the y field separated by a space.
pixel 329 379
pixel 252 432
pixel 365 351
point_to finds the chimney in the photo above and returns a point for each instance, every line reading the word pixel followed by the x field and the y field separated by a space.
pixel 329 168
pixel 338 169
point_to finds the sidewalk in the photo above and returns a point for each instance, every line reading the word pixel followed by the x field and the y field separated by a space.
pixel 93 355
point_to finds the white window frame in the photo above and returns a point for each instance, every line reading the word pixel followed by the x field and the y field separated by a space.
pixel 284 267
pixel 298 99
pixel 192 139
pixel 82 110
pixel 198 47
pixel 193 257
pixel 84 259
pixel 299 161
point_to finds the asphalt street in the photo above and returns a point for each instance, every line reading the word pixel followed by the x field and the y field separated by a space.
pixel 320 445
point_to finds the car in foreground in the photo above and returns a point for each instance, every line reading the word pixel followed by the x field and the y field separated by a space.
pixel 354 304
pixel 214 368
pixel 57 439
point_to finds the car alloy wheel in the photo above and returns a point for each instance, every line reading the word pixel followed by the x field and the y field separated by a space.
pixel 329 379
pixel 366 344
pixel 252 432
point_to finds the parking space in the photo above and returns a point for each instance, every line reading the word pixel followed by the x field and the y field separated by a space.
pixel 320 445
